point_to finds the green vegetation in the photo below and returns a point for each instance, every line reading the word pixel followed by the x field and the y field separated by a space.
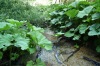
pixel 16 9
pixel 20 37
pixel 79 21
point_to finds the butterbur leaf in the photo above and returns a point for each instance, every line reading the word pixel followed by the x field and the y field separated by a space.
pixel 61 13
pixel 39 62
pixel 15 22
pixel 53 13
pixel 59 34
pixel 1 55
pixel 38 29
pixel 95 16
pixel 69 34
pixel 72 13
pixel 5 40
pixel 68 24
pixel 85 12
pixel 88 9
pixel 83 28
pixel 72 29
pixel 40 40
pixel 76 37
pixel 87 20
pixel 98 48
pixel 94 30
pixel 21 42
pixel 32 50
pixel 30 63
pixel 63 27
pixel 74 4
pixel 53 21
pixel 4 26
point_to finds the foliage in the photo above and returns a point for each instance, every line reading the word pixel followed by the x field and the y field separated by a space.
pixel 38 63
pixel 19 37
pixel 77 20
pixel 15 9
pixel 19 10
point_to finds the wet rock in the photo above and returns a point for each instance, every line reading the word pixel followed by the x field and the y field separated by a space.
pixel 77 58
pixel 67 55
pixel 57 55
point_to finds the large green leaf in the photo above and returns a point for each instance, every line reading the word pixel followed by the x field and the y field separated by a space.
pixel 85 12
pixel 82 28
pixel 16 22
pixel 32 50
pixel 21 42
pixel 74 4
pixel 38 29
pixel 41 40
pixel 94 29
pixel 76 37
pixel 72 13
pixel 98 48
pixel 5 40
pixel 30 63
pixel 4 26
pixel 95 16
pixel 68 24
pixel 37 63
pixel 69 33
pixel 53 21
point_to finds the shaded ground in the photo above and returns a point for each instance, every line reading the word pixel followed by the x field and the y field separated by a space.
pixel 67 55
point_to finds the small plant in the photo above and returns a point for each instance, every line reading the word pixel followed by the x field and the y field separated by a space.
pixel 18 38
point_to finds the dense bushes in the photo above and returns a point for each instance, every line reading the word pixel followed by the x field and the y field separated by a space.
pixel 19 10
pixel 15 9
pixel 79 21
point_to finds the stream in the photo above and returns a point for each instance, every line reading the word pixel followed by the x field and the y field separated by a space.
pixel 69 56
pixel 65 54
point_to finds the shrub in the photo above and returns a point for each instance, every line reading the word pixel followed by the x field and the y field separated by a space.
pixel 18 10
pixel 79 21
